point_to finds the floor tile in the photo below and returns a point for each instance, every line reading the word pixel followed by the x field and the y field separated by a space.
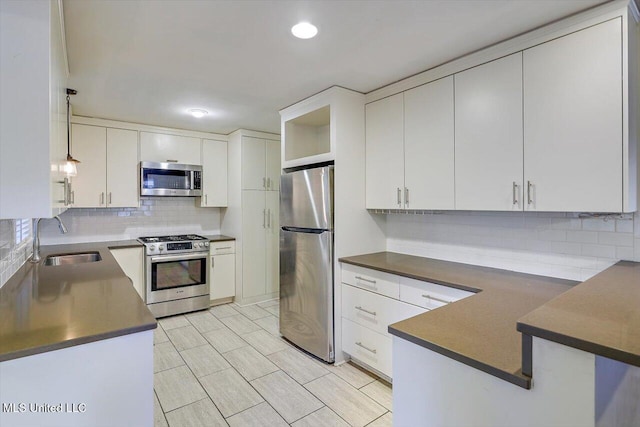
pixel 264 342
pixel 240 324
pixel 380 392
pixel 324 417
pixel 351 374
pixel 253 312
pixel 224 340
pixel 199 414
pixel 221 311
pixel 350 404
pixel 249 363
pixel 177 387
pixel 159 335
pixel 204 321
pixel 204 360
pixel 261 415
pixel 290 399
pixel 270 303
pixel 173 322
pixel 384 421
pixel 186 337
pixel 269 324
pixel 297 365
pixel 158 416
pixel 230 392
pixel 165 356
pixel 274 309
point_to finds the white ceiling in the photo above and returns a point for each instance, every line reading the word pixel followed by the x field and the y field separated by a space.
pixel 148 61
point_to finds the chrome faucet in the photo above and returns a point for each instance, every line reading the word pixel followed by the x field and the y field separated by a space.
pixel 36 237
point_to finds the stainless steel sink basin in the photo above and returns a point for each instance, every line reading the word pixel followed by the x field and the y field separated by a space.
pixel 67 259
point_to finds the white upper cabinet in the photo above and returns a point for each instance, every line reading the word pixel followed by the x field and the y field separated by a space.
pixel 573 121
pixel 90 147
pixel 158 147
pixel 214 173
pixel 33 129
pixel 385 153
pixel 489 136
pixel 108 168
pixel 272 165
pixel 122 168
pixel 429 146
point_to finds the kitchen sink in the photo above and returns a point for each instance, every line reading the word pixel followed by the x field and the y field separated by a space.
pixel 67 259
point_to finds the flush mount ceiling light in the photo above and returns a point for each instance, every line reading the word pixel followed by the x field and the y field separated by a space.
pixel 198 113
pixel 304 30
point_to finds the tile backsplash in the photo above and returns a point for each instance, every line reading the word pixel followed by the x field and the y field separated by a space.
pixel 155 216
pixel 552 244
pixel 12 255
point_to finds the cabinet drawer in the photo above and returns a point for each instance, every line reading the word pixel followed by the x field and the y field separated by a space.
pixel 429 295
pixel 367 346
pixel 221 248
pixel 371 280
pixel 374 311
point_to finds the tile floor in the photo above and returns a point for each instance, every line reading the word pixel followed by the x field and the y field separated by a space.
pixel 228 366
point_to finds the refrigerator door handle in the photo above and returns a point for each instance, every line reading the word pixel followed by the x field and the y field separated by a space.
pixel 304 230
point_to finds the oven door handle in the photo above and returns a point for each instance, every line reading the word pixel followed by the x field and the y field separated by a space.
pixel 182 257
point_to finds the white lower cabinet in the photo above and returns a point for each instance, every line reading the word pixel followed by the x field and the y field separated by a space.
pixel 131 261
pixel 372 300
pixel 223 270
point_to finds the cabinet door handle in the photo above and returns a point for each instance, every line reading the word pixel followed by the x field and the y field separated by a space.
pixel 264 218
pixel 213 261
pixel 529 185
pixel 110 197
pixel 399 197
pixel 436 299
pixel 406 196
pixel 268 183
pixel 73 196
pixel 206 199
pixel 372 350
pixel 264 182
pixel 102 198
pixel 515 190
pixel 366 280
pixel 373 313
pixel 269 218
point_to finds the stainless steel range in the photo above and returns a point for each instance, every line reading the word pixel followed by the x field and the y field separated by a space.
pixel 177 274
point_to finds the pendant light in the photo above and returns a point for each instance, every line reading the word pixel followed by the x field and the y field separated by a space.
pixel 70 166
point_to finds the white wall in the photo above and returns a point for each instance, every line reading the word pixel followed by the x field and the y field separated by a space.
pixel 551 244
pixel 155 216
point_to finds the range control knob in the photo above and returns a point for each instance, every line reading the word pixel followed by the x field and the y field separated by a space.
pixel 198 245
pixel 152 247
pixel 161 247
pixel 206 244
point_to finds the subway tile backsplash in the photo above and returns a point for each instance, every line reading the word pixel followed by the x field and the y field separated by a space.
pixel 553 244
pixel 155 216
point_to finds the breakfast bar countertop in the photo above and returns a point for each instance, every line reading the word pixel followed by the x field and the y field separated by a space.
pixel 479 330
pixel 46 308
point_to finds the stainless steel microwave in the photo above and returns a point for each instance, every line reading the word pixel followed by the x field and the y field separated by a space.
pixel 170 179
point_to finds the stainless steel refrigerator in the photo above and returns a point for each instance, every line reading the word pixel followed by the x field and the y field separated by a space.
pixel 306 260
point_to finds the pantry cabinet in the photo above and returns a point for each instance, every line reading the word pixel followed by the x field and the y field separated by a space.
pixel 488 136
pixel 262 160
pixel 159 147
pixel 108 168
pixel 573 121
pixel 410 149
pixel 214 173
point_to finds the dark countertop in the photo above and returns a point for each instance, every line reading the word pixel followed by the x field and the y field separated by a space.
pixel 218 237
pixel 480 330
pixel 600 316
pixel 45 308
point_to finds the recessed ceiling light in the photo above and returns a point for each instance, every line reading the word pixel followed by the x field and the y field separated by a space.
pixel 198 113
pixel 304 30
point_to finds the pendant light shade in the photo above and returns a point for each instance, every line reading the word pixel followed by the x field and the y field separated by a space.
pixel 70 168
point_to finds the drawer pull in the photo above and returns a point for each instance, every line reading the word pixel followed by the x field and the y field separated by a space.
pixel 366 280
pixel 224 247
pixel 373 313
pixel 372 350
pixel 436 299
